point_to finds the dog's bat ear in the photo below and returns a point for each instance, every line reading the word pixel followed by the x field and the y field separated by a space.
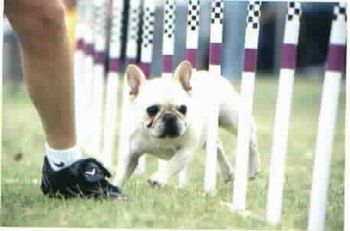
pixel 183 74
pixel 135 79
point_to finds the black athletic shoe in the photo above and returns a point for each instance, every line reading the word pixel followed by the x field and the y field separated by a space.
pixel 84 178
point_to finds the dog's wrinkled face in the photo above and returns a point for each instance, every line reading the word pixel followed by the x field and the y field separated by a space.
pixel 166 121
pixel 162 105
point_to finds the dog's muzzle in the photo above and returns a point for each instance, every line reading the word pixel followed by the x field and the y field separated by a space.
pixel 171 127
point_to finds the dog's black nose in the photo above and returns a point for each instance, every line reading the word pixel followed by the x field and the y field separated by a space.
pixel 171 128
pixel 169 117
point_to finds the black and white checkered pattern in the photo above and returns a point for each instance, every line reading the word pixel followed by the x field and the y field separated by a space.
pixel 134 21
pixel 169 18
pixel 148 26
pixel 294 11
pixel 253 14
pixel 217 11
pixel 339 11
pixel 115 27
pixel 193 15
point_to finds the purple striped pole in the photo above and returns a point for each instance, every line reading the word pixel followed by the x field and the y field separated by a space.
pixel 167 50
pixel 79 58
pixel 133 31
pixel 327 119
pixel 191 53
pixel 146 54
pixel 247 95
pixel 168 38
pixel 347 143
pixel 284 99
pixel 216 27
pixel 99 41
pixel 111 102
pixel 192 29
pixel 87 73
pixel 147 37
pixel 131 55
pixel 1 71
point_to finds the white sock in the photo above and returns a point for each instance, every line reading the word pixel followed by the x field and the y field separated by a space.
pixel 60 159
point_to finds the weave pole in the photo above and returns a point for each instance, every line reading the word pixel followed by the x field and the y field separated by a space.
pixel 168 38
pixel 216 29
pixel 87 72
pixel 247 94
pixel 79 58
pixel 192 28
pixel 283 108
pixel 327 119
pixel 347 144
pixel 168 49
pixel 100 32
pixel 1 71
pixel 111 102
pixel 146 54
pixel 131 55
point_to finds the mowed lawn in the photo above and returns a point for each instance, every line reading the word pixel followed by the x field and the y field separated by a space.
pixel 170 207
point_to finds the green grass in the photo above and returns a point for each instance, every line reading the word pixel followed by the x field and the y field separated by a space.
pixel 170 207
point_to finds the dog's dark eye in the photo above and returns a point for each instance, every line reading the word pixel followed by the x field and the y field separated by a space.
pixel 183 109
pixel 152 110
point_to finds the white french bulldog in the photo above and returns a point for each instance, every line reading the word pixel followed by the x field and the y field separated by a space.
pixel 168 118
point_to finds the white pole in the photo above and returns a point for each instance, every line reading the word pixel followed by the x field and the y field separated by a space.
pixel 215 46
pixel 146 54
pixel 283 107
pixel 86 88
pixel 193 7
pixel 131 53
pixel 111 102
pixel 168 49
pixel 327 121
pixel 1 71
pixel 79 58
pixel 100 22
pixel 247 94
pixel 347 142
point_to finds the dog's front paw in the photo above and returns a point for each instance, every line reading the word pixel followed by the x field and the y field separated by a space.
pixel 156 181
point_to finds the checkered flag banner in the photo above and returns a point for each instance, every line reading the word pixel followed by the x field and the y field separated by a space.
pixel 294 11
pixel 337 41
pixel 338 24
pixel 147 36
pixel 192 31
pixel 292 24
pixel 217 11
pixel 193 15
pixel 115 35
pixel 169 27
pixel 99 26
pixel 133 30
pixel 339 12
pixel 252 27
pixel 192 25
pixel 148 24
pixel 217 16
pixel 253 14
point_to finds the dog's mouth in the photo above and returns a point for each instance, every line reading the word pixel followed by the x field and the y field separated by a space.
pixel 171 128
pixel 170 132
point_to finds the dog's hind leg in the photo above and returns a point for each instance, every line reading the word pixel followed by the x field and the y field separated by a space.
pixel 229 120
pixel 225 168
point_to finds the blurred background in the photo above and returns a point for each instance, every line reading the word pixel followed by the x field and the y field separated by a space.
pixel 312 48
